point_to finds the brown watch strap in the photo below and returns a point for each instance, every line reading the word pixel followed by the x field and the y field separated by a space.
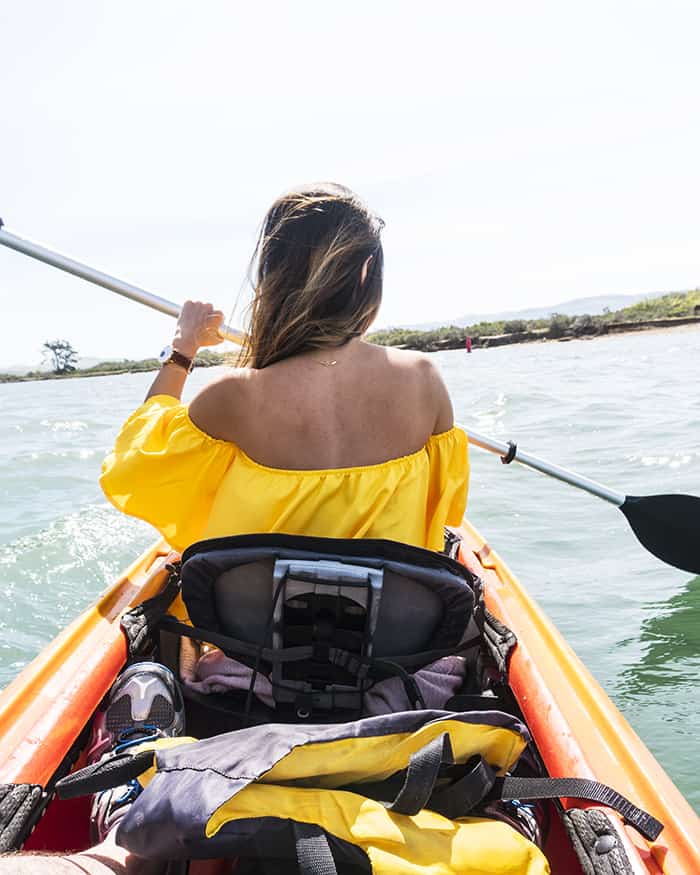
pixel 177 358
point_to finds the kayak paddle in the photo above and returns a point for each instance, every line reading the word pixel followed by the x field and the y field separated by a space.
pixel 666 525
pixel 99 278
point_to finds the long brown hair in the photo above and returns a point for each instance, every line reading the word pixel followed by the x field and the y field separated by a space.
pixel 307 274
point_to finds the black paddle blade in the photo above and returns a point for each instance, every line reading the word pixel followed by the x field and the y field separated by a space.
pixel 668 526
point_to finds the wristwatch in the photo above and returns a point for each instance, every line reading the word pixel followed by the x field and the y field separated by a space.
pixel 170 356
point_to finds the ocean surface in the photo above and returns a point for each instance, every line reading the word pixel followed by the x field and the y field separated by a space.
pixel 622 410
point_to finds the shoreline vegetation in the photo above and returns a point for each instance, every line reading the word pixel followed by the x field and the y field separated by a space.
pixel 667 311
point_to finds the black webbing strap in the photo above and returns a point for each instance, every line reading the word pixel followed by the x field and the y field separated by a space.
pixel 425 657
pixel 421 775
pixel 582 788
pixel 313 851
pixel 349 661
pixel 235 645
pixel 139 623
pixel 383 668
pixel 105 774
pixel 479 782
pixel 359 666
pixel 466 792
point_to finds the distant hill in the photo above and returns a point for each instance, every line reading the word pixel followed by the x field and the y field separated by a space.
pixel 593 306
pixel 17 369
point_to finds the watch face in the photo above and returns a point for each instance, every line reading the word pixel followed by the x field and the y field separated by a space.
pixel 165 354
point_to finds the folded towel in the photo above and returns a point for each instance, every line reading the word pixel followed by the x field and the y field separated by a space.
pixel 437 683
pixel 214 672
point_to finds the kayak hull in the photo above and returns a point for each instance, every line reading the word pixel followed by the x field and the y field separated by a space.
pixel 577 729
pixel 45 709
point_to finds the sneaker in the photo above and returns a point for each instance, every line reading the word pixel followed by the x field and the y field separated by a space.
pixel 145 703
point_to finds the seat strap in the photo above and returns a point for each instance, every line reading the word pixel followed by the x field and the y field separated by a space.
pixel 235 645
pixel 421 775
pixel 433 761
pixel 139 623
pixel 581 788
pixel 480 783
pixel 425 657
pixel 314 855
pixel 361 667
pixel 382 668
pixel 464 794
pixel 352 662
pixel 105 774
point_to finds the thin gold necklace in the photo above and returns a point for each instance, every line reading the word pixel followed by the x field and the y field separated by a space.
pixel 325 362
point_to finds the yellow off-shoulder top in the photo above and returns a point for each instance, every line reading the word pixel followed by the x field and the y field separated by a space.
pixel 189 485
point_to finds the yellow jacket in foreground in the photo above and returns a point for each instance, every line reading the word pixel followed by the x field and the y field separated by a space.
pixel 259 791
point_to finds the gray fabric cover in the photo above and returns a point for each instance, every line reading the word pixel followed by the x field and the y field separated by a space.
pixel 168 819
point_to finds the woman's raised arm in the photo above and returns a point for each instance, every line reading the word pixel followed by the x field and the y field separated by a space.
pixel 197 326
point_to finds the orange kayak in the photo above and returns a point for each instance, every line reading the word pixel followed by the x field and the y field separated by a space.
pixel 46 711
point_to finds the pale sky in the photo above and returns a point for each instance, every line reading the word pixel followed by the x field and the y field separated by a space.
pixel 521 154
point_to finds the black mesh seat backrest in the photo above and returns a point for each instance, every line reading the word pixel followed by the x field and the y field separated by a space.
pixel 410 612
pixel 376 600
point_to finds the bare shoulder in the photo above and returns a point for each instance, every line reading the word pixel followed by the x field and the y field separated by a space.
pixel 210 409
pixel 400 358
pixel 438 395
pixel 421 369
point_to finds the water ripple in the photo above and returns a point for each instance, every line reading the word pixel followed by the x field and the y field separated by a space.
pixel 619 410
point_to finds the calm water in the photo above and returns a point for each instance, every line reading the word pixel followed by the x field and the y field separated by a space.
pixel 625 411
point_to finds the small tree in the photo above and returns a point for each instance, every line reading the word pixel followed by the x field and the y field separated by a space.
pixel 515 326
pixel 64 356
pixel 584 324
pixel 559 324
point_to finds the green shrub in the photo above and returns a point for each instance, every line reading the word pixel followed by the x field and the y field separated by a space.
pixel 559 324
pixel 584 324
pixel 675 304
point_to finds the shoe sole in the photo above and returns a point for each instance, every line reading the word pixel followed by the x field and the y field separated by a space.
pixel 162 711
pixel 118 718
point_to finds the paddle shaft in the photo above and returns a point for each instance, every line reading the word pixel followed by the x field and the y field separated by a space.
pixel 99 278
pixel 503 450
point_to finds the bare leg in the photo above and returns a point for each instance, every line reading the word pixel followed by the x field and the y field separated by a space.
pixel 107 858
